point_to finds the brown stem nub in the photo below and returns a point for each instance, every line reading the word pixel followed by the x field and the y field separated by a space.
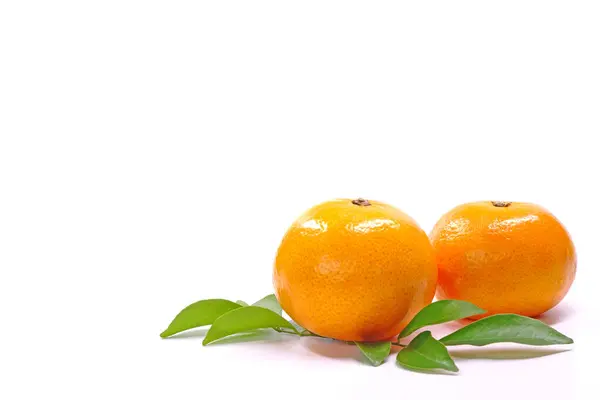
pixel 361 202
pixel 501 203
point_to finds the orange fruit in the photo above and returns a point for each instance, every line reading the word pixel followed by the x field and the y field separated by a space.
pixel 354 270
pixel 504 257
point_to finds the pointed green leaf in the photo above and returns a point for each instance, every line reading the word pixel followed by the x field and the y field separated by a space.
pixel 269 302
pixel 245 319
pixel 424 352
pixel 376 353
pixel 440 312
pixel 200 313
pixel 242 303
pixel 506 328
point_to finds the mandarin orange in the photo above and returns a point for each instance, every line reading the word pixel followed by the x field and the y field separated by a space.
pixel 354 270
pixel 505 257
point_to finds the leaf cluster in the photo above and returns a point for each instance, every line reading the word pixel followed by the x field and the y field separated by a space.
pixel 422 352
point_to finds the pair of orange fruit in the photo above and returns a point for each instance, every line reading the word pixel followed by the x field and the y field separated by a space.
pixel 359 270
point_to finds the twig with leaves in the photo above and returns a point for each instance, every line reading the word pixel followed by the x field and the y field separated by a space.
pixel 423 352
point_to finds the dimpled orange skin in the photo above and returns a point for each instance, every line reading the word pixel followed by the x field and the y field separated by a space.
pixel 510 258
pixel 354 272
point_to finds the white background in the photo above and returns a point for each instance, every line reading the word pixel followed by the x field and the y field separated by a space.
pixel 153 154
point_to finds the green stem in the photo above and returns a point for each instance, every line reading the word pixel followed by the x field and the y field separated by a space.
pixel 398 344
pixel 288 332
pixel 303 333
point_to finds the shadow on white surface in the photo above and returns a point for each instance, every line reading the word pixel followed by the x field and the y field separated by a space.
pixel 504 353
pixel 561 313
pixel 331 349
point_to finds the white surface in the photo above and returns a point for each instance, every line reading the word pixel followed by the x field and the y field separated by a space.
pixel 153 154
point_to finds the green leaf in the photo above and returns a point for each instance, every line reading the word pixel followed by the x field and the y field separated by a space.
pixel 242 303
pixel 376 353
pixel 424 352
pixel 245 319
pixel 269 302
pixel 506 328
pixel 201 313
pixel 440 312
